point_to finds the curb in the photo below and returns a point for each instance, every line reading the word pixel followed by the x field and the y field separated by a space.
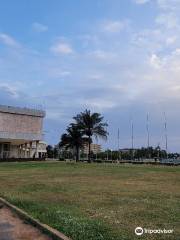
pixel 51 232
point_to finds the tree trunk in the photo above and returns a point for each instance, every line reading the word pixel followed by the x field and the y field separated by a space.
pixel 77 154
pixel 89 151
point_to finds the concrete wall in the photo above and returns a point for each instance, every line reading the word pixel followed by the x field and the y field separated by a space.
pixel 16 123
pixel 21 129
pixel 13 151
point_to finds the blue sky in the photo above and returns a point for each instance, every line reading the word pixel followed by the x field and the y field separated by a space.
pixel 120 58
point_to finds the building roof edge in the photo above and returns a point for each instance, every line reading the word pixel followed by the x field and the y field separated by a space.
pixel 22 111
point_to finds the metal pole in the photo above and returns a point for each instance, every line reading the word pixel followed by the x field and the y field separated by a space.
pixel 132 138
pixel 147 128
pixel 118 146
pixel 166 137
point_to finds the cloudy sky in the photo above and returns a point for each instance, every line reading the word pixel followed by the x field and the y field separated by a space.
pixel 117 57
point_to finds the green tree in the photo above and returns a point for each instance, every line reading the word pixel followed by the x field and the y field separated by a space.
pixel 55 152
pixel 50 151
pixel 73 139
pixel 91 124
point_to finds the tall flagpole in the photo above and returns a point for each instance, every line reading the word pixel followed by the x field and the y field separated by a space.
pixel 118 146
pixel 147 128
pixel 132 137
pixel 166 137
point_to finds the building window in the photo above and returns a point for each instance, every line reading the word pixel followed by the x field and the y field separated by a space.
pixel 6 147
pixel 6 150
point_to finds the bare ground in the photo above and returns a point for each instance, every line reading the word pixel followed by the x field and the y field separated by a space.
pixel 13 228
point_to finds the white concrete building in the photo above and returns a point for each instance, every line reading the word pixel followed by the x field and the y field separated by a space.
pixel 21 133
pixel 95 148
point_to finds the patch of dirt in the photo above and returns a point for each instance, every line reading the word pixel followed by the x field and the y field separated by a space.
pixel 14 228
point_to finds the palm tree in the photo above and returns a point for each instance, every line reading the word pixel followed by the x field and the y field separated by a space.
pixel 91 125
pixel 73 139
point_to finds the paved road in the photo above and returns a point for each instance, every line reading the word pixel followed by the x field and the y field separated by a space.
pixel 13 228
pixel 6 230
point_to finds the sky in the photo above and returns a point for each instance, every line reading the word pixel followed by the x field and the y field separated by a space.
pixel 117 57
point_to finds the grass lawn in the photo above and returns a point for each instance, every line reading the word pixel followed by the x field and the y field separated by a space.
pixel 96 201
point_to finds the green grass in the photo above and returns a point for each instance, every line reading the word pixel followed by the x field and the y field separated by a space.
pixel 96 201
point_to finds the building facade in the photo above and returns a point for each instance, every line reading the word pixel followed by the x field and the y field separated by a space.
pixel 21 132
pixel 95 148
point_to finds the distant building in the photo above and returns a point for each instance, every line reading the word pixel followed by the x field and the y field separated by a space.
pixel 95 148
pixel 21 133
pixel 127 150
pixel 41 149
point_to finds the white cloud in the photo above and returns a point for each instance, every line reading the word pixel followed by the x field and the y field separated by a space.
pixel 38 27
pixel 114 26
pixel 171 40
pixel 10 90
pixel 102 55
pixel 177 51
pixel 65 73
pixel 100 104
pixel 95 77
pixel 169 20
pixel 172 5
pixel 57 72
pixel 155 61
pixel 150 40
pixel 8 40
pixel 62 48
pixel 141 1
